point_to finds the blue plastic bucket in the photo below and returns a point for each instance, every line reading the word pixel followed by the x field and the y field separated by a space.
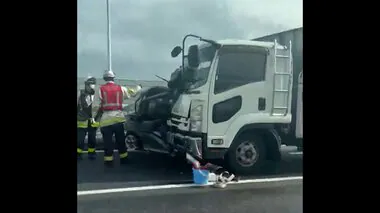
pixel 200 176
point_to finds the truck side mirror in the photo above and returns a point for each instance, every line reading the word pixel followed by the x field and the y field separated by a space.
pixel 176 51
pixel 193 56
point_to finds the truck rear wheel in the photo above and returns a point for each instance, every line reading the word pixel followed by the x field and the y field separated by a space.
pixel 247 154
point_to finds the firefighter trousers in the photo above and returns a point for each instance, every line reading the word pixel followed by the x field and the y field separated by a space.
pixel 108 132
pixel 91 139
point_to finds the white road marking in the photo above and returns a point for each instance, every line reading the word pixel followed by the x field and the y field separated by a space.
pixel 295 153
pixel 173 186
pixel 102 151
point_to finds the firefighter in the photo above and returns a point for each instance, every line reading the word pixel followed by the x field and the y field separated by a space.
pixel 112 117
pixel 86 123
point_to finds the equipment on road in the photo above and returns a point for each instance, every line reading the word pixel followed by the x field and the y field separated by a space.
pixel 235 100
pixel 223 179
pixel 203 174
pixel 200 176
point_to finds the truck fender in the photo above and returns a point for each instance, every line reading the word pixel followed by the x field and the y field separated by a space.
pixel 270 136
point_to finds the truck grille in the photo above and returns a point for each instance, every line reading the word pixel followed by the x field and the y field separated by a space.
pixel 175 116
pixel 176 120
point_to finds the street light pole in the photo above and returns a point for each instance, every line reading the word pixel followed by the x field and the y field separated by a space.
pixel 109 45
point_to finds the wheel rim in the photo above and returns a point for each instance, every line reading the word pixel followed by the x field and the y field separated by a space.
pixel 131 141
pixel 246 154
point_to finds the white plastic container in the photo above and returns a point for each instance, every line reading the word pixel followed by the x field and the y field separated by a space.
pixel 212 177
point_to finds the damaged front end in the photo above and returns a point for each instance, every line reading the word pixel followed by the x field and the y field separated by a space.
pixel 185 144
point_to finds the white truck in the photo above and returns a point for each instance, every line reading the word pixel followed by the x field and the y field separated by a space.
pixel 242 101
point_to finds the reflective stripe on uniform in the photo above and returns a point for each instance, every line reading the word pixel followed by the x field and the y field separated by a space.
pixel 91 150
pixel 95 124
pixel 124 155
pixel 131 91
pixel 108 158
pixel 79 151
pixel 112 120
pixel 82 124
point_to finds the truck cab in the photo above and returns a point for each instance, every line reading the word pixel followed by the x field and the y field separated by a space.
pixel 236 104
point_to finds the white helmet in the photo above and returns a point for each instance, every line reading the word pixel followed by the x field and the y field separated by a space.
pixel 108 74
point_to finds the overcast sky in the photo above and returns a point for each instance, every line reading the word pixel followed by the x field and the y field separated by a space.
pixel 145 31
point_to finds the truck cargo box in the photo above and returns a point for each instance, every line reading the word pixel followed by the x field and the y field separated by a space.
pixel 283 38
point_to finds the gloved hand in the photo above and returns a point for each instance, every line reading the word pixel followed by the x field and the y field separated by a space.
pixel 94 123
pixel 134 92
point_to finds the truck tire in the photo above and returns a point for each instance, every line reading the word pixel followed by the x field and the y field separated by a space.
pixel 247 154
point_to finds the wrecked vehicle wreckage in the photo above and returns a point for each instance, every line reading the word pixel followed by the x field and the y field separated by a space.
pixel 232 100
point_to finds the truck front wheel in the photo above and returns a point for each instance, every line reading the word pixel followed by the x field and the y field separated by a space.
pixel 246 155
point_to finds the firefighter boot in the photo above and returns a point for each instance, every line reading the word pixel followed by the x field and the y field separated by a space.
pixel 123 158
pixel 79 154
pixel 108 161
pixel 92 156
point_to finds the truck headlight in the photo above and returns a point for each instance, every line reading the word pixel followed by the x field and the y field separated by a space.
pixel 196 118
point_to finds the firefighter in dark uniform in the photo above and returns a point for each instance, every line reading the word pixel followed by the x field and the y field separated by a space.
pixel 86 123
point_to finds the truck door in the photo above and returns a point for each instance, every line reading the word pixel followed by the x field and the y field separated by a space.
pixel 238 90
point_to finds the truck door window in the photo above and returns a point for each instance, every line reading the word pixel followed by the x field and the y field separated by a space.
pixel 236 69
pixel 206 55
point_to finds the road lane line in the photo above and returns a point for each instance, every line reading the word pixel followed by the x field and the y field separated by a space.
pixel 295 153
pixel 142 151
pixel 102 151
pixel 173 186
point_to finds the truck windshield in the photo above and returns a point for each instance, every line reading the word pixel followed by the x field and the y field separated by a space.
pixel 206 55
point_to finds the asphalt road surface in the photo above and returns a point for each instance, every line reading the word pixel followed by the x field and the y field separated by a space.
pixel 281 197
pixel 136 183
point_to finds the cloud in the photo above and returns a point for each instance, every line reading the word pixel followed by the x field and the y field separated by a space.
pixel 145 31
